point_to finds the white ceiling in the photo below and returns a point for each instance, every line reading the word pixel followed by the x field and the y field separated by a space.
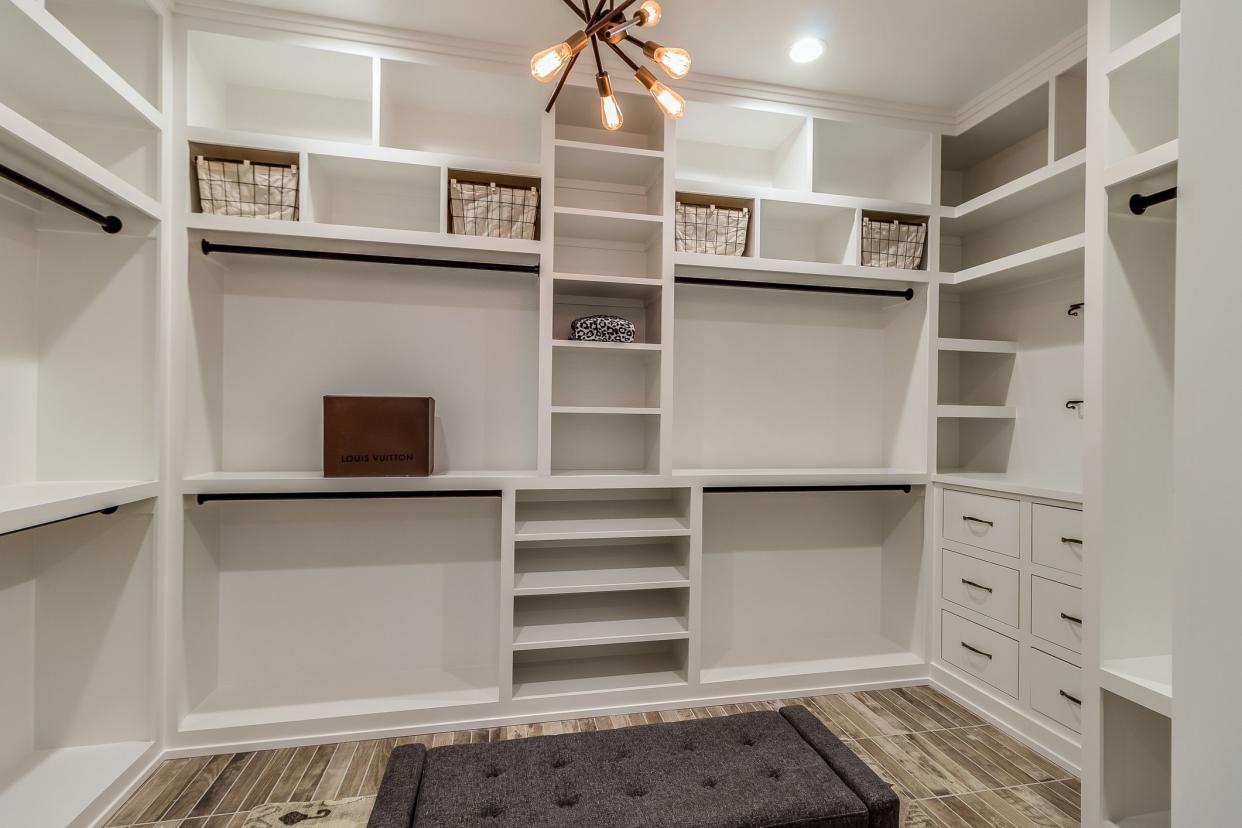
pixel 938 53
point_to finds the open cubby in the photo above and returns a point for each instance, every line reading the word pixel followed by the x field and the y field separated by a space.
pixel 1001 148
pixel 361 577
pixel 1044 444
pixel 1069 112
pixel 577 120
pixel 609 179
pixel 1130 19
pixel 1136 758
pixel 904 253
pixel 263 86
pixel 609 377
pixel 542 622
pixel 779 379
pixel 45 84
pixel 605 443
pixel 125 34
pixel 76 631
pixel 730 203
pixel 627 244
pixel 798 583
pixel 591 669
pixel 239 154
pixel 1143 102
pixel 260 362
pixel 608 565
pixel 79 314
pixel 986 242
pixel 635 300
pixel 365 193
pixel 458 112
pixel 555 515
pixel 744 146
pixel 872 162
pixel 808 232
pixel 517 182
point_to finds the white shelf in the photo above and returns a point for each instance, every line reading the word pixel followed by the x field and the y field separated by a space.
pixel 804 477
pixel 977 412
pixel 1023 195
pixel 308 482
pixel 257 229
pixel 596 675
pixel 24 505
pixel 754 264
pixel 1145 43
pixel 864 653
pixel 977 346
pixel 615 287
pixel 608 225
pixel 576 345
pixel 598 528
pixel 1146 681
pixel 622 579
pixel 1001 482
pixel 734 189
pixel 603 409
pixel 1157 160
pixel 1159 819
pixel 52 162
pixel 53 787
pixel 1047 259
pixel 598 633
pixel 333 697
pixel 617 150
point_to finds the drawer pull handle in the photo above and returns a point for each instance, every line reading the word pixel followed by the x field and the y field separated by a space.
pixel 978 520
pixel 976 652
pixel 1074 699
pixel 976 586
pixel 1065 617
pixel 1072 540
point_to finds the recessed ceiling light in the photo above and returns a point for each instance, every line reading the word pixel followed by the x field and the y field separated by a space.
pixel 806 50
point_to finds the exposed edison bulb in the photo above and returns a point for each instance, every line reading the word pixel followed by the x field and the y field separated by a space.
pixel 609 108
pixel 650 13
pixel 670 103
pixel 546 64
pixel 675 62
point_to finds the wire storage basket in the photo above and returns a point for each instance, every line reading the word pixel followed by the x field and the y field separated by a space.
pixel 230 187
pixel 894 241
pixel 493 208
pixel 711 228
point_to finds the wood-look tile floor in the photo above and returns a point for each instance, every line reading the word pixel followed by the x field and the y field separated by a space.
pixel 949 767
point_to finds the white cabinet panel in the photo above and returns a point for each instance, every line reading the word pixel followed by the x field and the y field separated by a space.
pixel 981 586
pixel 1056 537
pixel 985 654
pixel 1056 613
pixel 982 521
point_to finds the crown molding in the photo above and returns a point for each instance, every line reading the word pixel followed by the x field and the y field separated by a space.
pixel 1059 57
pixel 487 56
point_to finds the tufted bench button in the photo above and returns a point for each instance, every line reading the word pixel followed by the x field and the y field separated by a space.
pixel 492 772
pixel 687 745
pixel 636 791
pixel 773 773
pixel 623 753
pixel 568 801
pixel 560 762
pixel 748 741
pixel 710 783
pixel 491 810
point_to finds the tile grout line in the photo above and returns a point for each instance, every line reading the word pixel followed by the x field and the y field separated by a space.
pixel 993 790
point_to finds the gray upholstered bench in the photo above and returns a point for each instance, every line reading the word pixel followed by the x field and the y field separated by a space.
pixel 751 770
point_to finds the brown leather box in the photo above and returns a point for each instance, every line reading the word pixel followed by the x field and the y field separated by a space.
pixel 378 436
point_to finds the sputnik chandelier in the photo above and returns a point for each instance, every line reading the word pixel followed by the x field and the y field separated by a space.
pixel 609 25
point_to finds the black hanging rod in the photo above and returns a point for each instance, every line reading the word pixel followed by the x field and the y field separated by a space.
pixel 400 495
pixel 1139 203
pixel 109 224
pixel 886 487
pixel 906 294
pixel 336 256
pixel 110 510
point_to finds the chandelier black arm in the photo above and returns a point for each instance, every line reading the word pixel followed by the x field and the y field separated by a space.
pixel 560 84
pixel 577 10
pixel 602 22
pixel 634 66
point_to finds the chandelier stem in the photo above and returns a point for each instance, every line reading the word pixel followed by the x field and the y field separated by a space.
pixel 598 25
pixel 634 66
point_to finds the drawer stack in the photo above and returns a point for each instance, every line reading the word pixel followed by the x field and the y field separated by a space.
pixel 1011 613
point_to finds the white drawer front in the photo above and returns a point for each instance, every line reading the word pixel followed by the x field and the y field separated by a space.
pixel 979 520
pixel 1056 537
pixel 982 586
pixel 1056 613
pixel 986 655
pixel 1056 689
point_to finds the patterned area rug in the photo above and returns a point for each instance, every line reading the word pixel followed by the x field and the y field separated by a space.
pixel 328 813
